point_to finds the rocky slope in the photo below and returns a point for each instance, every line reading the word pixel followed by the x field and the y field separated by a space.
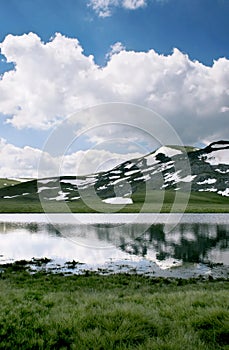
pixel 170 168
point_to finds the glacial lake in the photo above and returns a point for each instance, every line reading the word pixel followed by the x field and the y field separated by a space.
pixel 188 245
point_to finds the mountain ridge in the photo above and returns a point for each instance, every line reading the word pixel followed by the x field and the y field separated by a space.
pixel 169 168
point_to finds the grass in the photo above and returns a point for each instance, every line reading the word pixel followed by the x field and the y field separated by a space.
pixel 28 201
pixel 199 202
pixel 4 182
pixel 47 311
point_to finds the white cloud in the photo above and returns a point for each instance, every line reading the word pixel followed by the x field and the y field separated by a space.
pixel 49 82
pixel 16 162
pixel 224 109
pixel 115 48
pixel 24 162
pixel 133 4
pixel 87 162
pixel 52 80
pixel 103 8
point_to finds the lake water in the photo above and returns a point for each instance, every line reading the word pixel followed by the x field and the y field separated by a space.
pixel 154 244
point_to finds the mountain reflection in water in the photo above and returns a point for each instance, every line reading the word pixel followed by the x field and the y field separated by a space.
pixel 187 242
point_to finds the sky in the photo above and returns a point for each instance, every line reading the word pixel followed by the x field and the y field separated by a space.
pixel 87 84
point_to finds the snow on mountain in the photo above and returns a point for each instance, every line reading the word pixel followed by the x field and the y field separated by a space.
pixel 219 144
pixel 216 157
pixel 207 181
pixel 118 200
pixel 151 159
pixel 162 169
pixel 224 193
pixel 168 151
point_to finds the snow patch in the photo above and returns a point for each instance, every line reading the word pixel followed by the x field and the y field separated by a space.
pixel 220 145
pixel 225 192
pixel 207 181
pixel 40 189
pixel 147 170
pixel 217 157
pixel 188 178
pixel 168 151
pixel 131 172
pixel 222 171
pixel 128 166
pixel 119 180
pixel 176 178
pixel 17 195
pixel 61 197
pixel 115 172
pixel 163 167
pixel 144 178
pixel 102 188
pixel 118 200
pixel 172 177
pixel 151 160
pixel 208 190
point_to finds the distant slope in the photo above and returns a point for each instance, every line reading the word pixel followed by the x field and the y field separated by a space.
pixel 4 182
pixel 137 181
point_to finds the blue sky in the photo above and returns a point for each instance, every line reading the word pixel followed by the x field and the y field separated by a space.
pixel 198 29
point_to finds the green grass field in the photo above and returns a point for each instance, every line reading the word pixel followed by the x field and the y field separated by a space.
pixel 48 311
pixel 199 202
pixel 149 202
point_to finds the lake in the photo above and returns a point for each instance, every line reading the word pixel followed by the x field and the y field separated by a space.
pixel 153 244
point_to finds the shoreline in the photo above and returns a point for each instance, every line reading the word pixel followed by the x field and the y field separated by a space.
pixel 144 268
pixel 109 218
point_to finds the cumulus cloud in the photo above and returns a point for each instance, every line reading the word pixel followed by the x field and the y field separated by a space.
pixel 103 8
pixel 25 162
pixel 49 80
pixel 17 161
pixel 115 48
pixel 54 79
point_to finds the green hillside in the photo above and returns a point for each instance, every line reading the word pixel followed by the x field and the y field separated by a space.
pixel 157 182
pixel 4 182
pixel 203 202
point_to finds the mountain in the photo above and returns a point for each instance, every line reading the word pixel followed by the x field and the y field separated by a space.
pixel 169 168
